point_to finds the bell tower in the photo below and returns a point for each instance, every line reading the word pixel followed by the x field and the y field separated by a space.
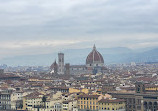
pixel 61 63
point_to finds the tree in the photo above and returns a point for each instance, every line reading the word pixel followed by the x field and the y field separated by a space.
pixel 44 99
pixel 21 106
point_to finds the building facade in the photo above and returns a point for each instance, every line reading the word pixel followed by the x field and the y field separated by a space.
pixel 111 105
pixel 5 100
pixel 94 64
pixel 88 102
pixel 140 100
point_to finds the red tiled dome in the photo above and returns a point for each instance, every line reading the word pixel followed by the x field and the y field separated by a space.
pixel 94 57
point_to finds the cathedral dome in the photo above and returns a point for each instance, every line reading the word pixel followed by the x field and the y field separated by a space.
pixel 94 57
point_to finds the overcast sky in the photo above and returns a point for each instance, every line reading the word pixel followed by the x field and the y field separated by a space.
pixel 29 27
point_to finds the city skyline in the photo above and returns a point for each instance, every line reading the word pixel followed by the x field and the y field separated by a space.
pixel 78 55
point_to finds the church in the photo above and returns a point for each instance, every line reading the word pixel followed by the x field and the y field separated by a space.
pixel 94 64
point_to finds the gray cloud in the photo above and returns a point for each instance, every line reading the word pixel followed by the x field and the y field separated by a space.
pixel 108 23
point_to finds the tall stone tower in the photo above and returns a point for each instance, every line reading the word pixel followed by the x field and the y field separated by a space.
pixel 60 63
pixel 1 71
pixel 67 69
pixel 140 87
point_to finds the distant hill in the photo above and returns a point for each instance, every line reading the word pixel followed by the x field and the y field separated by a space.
pixel 78 56
pixel 147 56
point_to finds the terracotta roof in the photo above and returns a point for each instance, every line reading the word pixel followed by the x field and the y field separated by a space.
pixel 147 79
pixel 59 88
pixel 111 100
pixel 34 95
pixel 94 56
pixel 88 96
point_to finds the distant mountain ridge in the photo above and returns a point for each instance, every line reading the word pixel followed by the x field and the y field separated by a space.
pixel 78 56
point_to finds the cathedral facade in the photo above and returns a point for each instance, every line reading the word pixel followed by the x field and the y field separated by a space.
pixel 94 64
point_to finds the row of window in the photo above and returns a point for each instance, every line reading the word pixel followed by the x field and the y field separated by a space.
pixel 111 108
pixel 87 107
pixel 65 105
pixel 87 102
pixel 4 102
pixel 4 96
pixel 110 103
pixel 88 98
pixel 36 102
pixel 57 107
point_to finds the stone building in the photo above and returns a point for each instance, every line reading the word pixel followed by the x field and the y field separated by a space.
pixel 1 71
pixel 54 68
pixel 94 64
pixel 61 66
pixel 5 100
pixel 111 104
pixel 140 100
